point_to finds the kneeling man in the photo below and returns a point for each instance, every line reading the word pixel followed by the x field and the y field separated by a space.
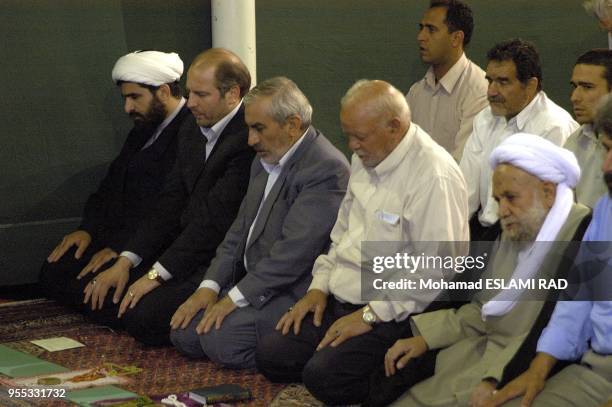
pixel 263 265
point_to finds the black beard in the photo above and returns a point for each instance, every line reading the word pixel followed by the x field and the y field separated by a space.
pixel 608 181
pixel 152 118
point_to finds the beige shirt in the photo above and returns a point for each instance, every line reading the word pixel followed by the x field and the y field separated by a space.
pixel 416 194
pixel 590 153
pixel 541 117
pixel 446 109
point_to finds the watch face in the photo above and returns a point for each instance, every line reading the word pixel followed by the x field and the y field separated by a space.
pixel 152 274
pixel 368 317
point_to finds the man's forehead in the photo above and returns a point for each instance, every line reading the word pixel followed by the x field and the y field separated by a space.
pixel 588 72
pixel 509 172
pixel 434 16
pixel 505 68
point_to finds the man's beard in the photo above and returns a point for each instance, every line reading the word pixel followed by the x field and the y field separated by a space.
pixel 152 118
pixel 530 224
pixel 608 181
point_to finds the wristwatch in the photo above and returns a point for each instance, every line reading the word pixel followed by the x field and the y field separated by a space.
pixel 153 274
pixel 368 316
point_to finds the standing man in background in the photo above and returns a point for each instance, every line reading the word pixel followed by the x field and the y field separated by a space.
pixel 454 88
pixel 591 80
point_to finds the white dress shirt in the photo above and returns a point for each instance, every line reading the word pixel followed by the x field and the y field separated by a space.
pixel 416 194
pixel 541 117
pixel 211 134
pixel 590 152
pixel 273 170
pixel 446 109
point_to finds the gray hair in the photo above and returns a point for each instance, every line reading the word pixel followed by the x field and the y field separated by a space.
pixel 287 100
pixel 599 8
pixel 603 118
pixel 389 100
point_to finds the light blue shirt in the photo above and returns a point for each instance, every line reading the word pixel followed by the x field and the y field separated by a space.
pixel 575 323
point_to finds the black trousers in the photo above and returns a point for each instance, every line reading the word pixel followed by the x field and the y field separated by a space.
pixel 338 375
pixel 58 282
pixel 149 321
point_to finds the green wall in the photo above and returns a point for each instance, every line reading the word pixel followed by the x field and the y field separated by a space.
pixel 62 119
pixel 326 45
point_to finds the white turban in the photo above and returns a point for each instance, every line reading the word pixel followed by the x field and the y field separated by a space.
pixel 547 162
pixel 148 67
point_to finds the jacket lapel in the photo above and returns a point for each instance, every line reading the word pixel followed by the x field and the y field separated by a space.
pixel 272 197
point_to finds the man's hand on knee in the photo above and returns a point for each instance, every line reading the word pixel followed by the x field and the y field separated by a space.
pixel 79 238
pixel 200 300
pixel 314 301
pixel 215 315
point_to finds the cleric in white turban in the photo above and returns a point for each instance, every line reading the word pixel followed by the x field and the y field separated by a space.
pixel 548 162
pixel 482 344
pixel 148 67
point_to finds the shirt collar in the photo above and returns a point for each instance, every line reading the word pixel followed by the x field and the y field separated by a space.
pixel 213 133
pixel 587 130
pixel 396 156
pixel 449 80
pixel 271 167
pixel 525 115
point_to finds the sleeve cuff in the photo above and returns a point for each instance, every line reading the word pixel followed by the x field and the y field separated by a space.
pixel 163 272
pixel 211 284
pixel 319 284
pixel 132 257
pixel 237 297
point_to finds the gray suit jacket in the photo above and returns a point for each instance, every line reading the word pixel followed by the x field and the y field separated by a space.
pixel 292 228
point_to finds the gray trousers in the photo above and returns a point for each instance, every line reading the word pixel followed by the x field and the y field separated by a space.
pixel 586 384
pixel 233 345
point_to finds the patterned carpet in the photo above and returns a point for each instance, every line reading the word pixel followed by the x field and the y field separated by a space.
pixel 164 370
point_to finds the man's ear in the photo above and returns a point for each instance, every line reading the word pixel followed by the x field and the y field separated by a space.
pixel 293 124
pixel 532 85
pixel 550 193
pixel 457 39
pixel 163 93
pixel 233 94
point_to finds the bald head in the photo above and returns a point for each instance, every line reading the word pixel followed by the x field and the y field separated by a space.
pixel 228 67
pixel 216 81
pixel 374 117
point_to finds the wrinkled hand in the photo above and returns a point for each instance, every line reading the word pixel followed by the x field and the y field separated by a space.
pixel 215 315
pixel 482 393
pixel 345 328
pixel 402 351
pixel 135 292
pixel 117 276
pixel 314 301
pixel 98 260
pixel 79 238
pixel 200 300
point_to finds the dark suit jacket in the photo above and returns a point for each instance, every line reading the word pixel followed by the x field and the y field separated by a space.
pixel 199 200
pixel 134 178
pixel 292 228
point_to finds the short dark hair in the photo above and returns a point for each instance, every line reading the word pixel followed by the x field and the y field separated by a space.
pixel 228 74
pixel 524 55
pixel 600 57
pixel 175 88
pixel 459 17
